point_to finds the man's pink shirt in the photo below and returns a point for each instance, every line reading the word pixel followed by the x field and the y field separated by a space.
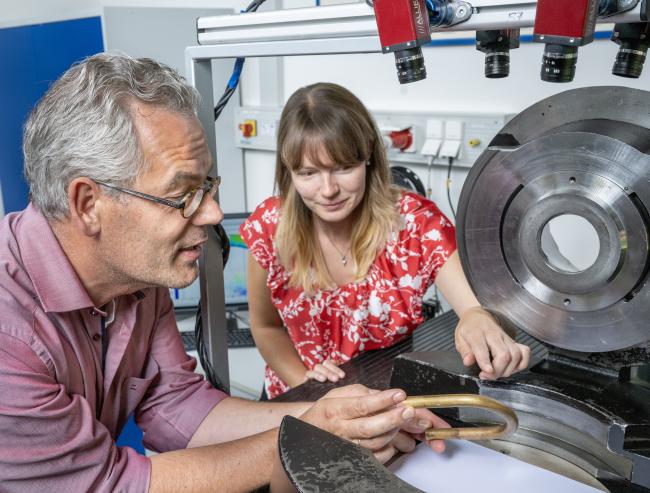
pixel 59 412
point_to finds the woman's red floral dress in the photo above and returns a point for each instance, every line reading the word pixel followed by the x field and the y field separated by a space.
pixel 376 312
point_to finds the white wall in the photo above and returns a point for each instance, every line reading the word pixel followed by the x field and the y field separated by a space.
pixel 455 79
pixel 25 12
pixel 236 5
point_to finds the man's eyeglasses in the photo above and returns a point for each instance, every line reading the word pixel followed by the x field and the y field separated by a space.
pixel 188 205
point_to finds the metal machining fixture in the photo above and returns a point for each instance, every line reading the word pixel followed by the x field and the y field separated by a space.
pixel 584 154
pixel 337 29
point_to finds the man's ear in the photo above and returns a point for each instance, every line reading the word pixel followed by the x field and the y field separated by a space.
pixel 84 205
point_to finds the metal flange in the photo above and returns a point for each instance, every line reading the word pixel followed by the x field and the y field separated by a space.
pixel 583 153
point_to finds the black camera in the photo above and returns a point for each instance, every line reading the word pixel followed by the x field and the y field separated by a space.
pixel 496 44
pixel 633 41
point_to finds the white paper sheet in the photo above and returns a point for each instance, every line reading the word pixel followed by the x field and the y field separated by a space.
pixel 468 467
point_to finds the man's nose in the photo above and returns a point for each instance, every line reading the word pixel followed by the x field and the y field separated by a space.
pixel 209 212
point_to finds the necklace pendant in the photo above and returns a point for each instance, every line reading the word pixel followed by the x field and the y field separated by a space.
pixel 344 259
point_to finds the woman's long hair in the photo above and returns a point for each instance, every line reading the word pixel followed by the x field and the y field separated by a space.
pixel 327 118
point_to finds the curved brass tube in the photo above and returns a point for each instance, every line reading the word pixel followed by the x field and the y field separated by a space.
pixel 466 400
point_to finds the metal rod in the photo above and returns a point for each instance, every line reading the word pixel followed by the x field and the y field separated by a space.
pixel 509 425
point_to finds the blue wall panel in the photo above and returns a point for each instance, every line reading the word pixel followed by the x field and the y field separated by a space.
pixel 31 58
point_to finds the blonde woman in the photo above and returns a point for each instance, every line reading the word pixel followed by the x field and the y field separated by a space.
pixel 341 258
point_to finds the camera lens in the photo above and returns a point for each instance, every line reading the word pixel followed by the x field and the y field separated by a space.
pixel 497 64
pixel 559 63
pixel 410 65
pixel 496 44
pixel 630 58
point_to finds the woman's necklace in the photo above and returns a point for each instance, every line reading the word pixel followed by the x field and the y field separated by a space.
pixel 343 255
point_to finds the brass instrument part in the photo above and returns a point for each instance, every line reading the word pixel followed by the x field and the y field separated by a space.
pixel 509 425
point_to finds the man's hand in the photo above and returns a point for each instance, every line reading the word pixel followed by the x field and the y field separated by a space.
pixel 413 430
pixel 480 339
pixel 328 371
pixel 368 417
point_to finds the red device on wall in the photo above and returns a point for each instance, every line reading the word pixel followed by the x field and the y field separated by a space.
pixel 563 26
pixel 403 27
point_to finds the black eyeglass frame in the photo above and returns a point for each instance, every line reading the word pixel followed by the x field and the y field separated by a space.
pixel 210 187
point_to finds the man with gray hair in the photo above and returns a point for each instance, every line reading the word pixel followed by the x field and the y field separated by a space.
pixel 120 200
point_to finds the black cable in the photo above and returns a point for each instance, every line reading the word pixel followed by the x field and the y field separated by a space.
pixel 202 351
pixel 406 178
pixel 223 101
pixel 253 6
pixel 451 205
pixel 201 348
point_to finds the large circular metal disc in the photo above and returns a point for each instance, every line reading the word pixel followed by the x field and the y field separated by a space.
pixel 582 153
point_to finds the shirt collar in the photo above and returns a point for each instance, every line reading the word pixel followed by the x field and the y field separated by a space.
pixel 56 283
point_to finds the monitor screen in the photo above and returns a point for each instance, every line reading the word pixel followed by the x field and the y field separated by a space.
pixel 234 275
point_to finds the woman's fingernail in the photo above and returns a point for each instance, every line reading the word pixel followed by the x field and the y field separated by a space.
pixel 399 396
pixel 408 413
pixel 424 423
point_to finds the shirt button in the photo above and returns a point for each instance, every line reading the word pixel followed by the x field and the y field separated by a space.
pixel 97 337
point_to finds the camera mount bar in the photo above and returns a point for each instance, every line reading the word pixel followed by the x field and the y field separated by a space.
pixel 350 28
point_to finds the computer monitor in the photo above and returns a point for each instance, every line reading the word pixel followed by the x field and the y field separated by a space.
pixel 234 275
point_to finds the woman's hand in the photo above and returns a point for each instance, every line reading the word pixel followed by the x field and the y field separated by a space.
pixel 327 371
pixel 481 340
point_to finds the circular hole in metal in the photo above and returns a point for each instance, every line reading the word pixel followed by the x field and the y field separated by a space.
pixel 572 180
pixel 570 243
pixel 567 302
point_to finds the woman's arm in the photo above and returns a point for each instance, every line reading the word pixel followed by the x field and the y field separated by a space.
pixel 479 338
pixel 270 336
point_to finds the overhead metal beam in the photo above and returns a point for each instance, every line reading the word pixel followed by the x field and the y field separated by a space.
pixel 347 26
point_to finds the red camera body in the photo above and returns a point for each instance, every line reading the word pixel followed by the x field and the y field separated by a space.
pixel 566 22
pixel 402 24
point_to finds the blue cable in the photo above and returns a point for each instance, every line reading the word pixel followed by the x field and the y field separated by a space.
pixel 236 72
